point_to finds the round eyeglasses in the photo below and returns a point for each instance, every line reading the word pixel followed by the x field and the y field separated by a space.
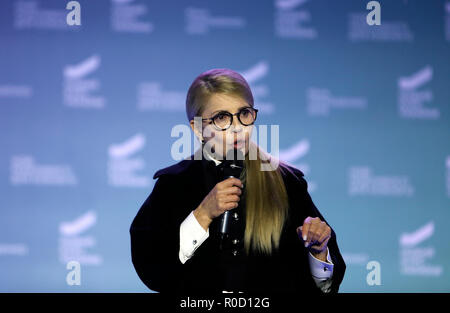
pixel 224 119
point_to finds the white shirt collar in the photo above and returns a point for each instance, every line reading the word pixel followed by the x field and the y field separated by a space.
pixel 208 156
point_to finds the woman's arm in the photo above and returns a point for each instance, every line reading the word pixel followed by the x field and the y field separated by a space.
pixel 192 235
pixel 333 249
pixel 194 230
pixel 322 271
pixel 155 238
pixel 309 209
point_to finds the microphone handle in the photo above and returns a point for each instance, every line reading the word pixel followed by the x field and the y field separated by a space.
pixel 224 222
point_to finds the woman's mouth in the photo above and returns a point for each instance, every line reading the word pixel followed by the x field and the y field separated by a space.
pixel 238 144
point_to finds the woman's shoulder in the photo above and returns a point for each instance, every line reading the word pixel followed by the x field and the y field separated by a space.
pixel 290 170
pixel 183 166
pixel 292 176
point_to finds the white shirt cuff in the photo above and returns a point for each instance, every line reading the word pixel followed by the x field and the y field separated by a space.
pixel 321 270
pixel 192 235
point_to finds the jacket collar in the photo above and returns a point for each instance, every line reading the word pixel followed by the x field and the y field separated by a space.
pixel 208 156
pixel 189 162
pixel 185 164
pixel 177 168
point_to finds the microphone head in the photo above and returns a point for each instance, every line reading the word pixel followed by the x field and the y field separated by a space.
pixel 234 163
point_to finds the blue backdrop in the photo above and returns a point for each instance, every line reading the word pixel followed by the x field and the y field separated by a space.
pixel 86 114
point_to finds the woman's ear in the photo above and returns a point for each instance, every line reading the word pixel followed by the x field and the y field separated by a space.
pixel 197 130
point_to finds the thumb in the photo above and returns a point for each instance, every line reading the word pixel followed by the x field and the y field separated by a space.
pixel 299 230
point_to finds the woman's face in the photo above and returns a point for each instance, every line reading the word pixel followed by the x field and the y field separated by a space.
pixel 237 136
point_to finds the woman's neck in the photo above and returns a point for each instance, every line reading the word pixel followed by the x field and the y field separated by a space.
pixel 208 156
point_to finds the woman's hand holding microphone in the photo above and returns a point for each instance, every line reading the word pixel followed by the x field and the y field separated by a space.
pixel 223 197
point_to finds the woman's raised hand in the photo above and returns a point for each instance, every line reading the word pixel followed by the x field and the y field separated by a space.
pixel 315 234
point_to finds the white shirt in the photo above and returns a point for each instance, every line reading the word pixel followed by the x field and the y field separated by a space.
pixel 192 235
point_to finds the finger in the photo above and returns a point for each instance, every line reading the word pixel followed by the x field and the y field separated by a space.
pixel 228 192
pixel 226 206
pixel 232 181
pixel 312 233
pixel 320 243
pixel 320 230
pixel 231 190
pixel 305 228
pixel 322 246
pixel 230 198
pixel 326 233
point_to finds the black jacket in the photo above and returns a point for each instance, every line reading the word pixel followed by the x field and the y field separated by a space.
pixel 155 240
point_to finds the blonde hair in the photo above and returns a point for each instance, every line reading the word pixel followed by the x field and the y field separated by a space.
pixel 266 197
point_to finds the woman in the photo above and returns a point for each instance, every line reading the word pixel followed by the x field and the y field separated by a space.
pixel 278 240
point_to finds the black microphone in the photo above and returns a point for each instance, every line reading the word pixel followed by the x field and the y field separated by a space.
pixel 232 167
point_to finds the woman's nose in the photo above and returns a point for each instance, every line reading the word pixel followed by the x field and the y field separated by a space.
pixel 236 126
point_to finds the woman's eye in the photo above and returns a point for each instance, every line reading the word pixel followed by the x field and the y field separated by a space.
pixel 221 116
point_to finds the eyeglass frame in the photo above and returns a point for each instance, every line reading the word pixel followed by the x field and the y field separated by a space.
pixel 232 117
